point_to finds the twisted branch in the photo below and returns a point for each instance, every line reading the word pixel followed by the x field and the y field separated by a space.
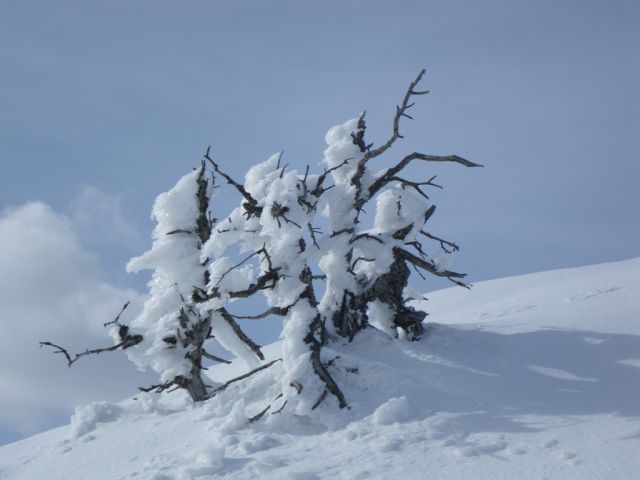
pixel 251 205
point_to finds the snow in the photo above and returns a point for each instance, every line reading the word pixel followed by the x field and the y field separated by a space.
pixel 175 261
pixel 342 157
pixel 536 376
pixel 86 417
pixel 392 411
pixel 444 261
pixel 380 315
pixel 229 340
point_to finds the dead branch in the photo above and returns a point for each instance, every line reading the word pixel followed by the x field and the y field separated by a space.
pixel 400 112
pixel 418 246
pixel 224 386
pixel 260 414
pixel 251 205
pixel 160 387
pixel 358 138
pixel 320 400
pixel 238 265
pixel 404 183
pixel 280 311
pixel 391 173
pixel 363 259
pixel 342 232
pixel 255 348
pixel 263 282
pixel 312 232
pixel 284 404
pixel 203 223
pixel 179 230
pixel 324 375
pixel 278 211
pixel 365 236
pixel 430 267
pixel 117 319
pixel 429 213
pixel 443 242
pixel 267 280
pixel 126 343
pixel 319 189
pixel 206 354
pixel 317 329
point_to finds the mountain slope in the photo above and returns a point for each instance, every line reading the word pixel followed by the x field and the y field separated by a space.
pixel 536 376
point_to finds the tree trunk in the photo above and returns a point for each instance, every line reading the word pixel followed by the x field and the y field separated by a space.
pixel 388 289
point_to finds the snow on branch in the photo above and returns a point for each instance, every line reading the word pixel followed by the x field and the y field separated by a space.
pixel 251 206
pixel 268 246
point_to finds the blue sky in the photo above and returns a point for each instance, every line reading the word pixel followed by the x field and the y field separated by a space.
pixel 105 104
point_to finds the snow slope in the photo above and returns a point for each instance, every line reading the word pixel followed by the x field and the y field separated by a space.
pixel 536 376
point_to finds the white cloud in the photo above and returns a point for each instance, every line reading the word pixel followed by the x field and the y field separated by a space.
pixel 98 216
pixel 51 288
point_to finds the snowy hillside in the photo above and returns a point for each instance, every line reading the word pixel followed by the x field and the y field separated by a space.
pixel 536 376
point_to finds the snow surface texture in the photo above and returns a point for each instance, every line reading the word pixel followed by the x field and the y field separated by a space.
pixel 529 377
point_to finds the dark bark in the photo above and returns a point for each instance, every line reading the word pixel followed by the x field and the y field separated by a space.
pixel 388 289
pixel 254 347
pixel 127 340
pixel 351 317
pixel 195 336
pixel 316 338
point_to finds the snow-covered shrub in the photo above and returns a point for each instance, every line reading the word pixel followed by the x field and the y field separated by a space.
pixel 270 245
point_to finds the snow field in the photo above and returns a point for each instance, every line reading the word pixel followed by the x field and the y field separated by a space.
pixel 530 377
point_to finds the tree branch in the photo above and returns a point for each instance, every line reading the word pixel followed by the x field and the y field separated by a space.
pixel 206 354
pixel 160 387
pixel 126 341
pixel 281 311
pixel 255 348
pixel 319 190
pixel 430 267
pixel 117 319
pixel 395 135
pixel 400 112
pixel 260 414
pixel 251 205
pixel 443 242
pixel 391 173
pixel 224 386
pixel 262 283
pixel 123 344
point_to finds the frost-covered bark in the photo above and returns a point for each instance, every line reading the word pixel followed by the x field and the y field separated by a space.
pixel 343 303
pixel 274 222
pixel 368 270
pixel 173 329
pixel 181 314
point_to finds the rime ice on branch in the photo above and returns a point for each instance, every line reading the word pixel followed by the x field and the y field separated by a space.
pixel 199 281
pixel 173 328
pixel 368 270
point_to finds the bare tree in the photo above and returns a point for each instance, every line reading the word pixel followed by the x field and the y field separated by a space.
pixel 199 281
pixel 372 266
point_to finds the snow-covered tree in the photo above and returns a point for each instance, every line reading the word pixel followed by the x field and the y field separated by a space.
pixel 368 270
pixel 173 324
pixel 270 245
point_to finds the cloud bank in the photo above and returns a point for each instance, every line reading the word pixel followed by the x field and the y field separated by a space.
pixel 52 288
